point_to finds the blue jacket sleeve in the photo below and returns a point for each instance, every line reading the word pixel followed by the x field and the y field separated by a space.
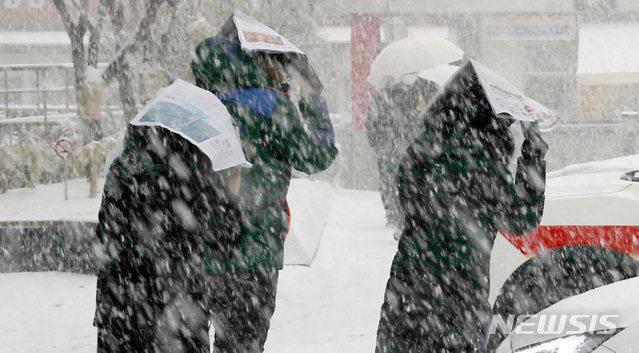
pixel 312 141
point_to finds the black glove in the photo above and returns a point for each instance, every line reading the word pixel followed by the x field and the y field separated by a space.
pixel 533 147
pixel 318 122
pixel 314 105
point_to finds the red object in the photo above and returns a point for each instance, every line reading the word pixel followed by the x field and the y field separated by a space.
pixel 288 211
pixel 259 37
pixel 30 15
pixel 365 45
pixel 277 90
pixel 64 148
pixel 621 238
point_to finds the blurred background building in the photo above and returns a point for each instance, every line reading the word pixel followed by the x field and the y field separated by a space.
pixel 578 56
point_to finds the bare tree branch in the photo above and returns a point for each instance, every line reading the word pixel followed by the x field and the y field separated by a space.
pixel 68 22
pixel 141 34
pixel 83 16
pixel 77 5
pixel 96 32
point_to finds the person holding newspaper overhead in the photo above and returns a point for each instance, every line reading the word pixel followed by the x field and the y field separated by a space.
pixel 193 236
pixel 457 192
pixel 391 125
pixel 165 216
pixel 277 136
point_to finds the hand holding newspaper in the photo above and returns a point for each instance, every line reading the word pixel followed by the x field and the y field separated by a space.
pixel 508 100
pixel 255 36
pixel 198 116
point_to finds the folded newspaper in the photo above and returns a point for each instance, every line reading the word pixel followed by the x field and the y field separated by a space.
pixel 508 100
pixel 198 116
pixel 256 36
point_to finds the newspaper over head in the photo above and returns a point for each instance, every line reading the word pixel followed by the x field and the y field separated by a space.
pixel 256 36
pixel 198 116
pixel 507 100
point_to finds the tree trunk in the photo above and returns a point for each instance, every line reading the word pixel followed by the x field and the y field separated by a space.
pixel 34 173
pixel 93 174
pixel 126 92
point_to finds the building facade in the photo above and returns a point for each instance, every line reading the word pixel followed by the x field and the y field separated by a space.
pixel 576 56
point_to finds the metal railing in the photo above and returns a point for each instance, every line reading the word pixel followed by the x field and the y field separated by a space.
pixel 39 90
pixel 36 89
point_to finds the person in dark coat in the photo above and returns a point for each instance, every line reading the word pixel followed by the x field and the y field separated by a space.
pixel 457 192
pixel 179 248
pixel 391 125
pixel 277 136
pixel 165 216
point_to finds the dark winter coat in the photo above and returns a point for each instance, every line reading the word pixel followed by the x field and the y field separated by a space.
pixel 457 192
pixel 392 121
pixel 165 216
pixel 276 138
pixel 162 200
pixel 391 125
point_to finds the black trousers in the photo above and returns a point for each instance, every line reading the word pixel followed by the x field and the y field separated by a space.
pixel 149 315
pixel 241 309
pixel 387 165
pixel 436 298
pixel 152 315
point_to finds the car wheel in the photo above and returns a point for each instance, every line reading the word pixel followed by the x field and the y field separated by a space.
pixel 557 274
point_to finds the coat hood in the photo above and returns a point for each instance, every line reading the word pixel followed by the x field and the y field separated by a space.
pixel 464 120
pixel 221 65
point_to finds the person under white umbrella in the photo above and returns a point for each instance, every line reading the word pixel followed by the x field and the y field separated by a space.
pixel 411 56
pixel 407 74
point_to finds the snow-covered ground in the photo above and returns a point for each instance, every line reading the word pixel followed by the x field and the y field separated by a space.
pixel 331 306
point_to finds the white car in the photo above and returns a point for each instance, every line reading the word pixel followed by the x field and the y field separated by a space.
pixel 588 238
pixel 602 320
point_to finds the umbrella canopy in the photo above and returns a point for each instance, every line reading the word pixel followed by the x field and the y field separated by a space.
pixel 410 56
pixel 439 74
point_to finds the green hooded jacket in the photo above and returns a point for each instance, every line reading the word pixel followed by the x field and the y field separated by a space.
pixel 276 137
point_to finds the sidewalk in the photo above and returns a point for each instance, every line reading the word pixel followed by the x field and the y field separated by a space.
pixel 331 306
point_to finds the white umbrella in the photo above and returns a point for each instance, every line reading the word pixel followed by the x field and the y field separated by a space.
pixel 410 56
pixel 439 74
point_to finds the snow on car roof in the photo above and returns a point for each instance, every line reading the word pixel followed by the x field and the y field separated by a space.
pixel 585 184
pixel 598 177
pixel 620 164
